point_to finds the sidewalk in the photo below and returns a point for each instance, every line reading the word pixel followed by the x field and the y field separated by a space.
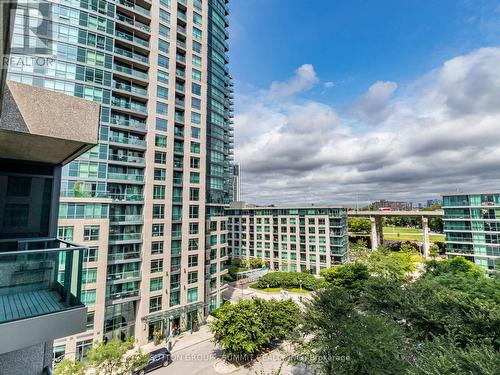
pixel 183 341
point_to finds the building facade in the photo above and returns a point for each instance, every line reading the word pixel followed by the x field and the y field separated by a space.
pixel 393 205
pixel 237 183
pixel 472 227
pixel 145 198
pixel 288 238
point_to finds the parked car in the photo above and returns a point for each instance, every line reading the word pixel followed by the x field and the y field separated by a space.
pixel 158 358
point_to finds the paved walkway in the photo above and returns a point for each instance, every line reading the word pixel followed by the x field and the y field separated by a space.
pixel 236 293
pixel 183 341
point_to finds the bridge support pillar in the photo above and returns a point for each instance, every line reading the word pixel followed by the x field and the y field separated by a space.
pixel 377 234
pixel 426 243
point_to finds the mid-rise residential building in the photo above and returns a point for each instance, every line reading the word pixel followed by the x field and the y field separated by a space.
pixel 146 198
pixel 289 238
pixel 472 227
pixel 393 205
pixel 40 275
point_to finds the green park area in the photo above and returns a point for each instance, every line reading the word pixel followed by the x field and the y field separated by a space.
pixel 409 234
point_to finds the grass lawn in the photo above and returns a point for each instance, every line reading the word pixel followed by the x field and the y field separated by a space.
pixel 277 290
pixel 409 234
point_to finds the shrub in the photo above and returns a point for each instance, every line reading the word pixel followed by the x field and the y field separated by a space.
pixel 289 280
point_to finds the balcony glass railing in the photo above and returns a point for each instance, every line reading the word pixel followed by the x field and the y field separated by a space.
pixel 131 123
pixel 132 38
pixel 131 55
pixel 126 218
pixel 180 58
pixel 123 256
pixel 134 7
pixel 133 22
pixel 125 176
pixel 127 140
pixel 127 158
pixel 125 275
pixel 130 88
pixel 84 194
pixel 181 29
pixel 44 273
pixel 179 118
pixel 130 71
pixel 179 87
pixel 124 294
pixel 125 236
pixel 118 197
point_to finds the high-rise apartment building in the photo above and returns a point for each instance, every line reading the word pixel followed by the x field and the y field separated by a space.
pixel 147 198
pixel 236 183
pixel 291 239
pixel 472 227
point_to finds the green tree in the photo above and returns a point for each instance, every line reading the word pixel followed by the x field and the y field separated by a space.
pixel 359 225
pixel 443 357
pixel 69 367
pixel 112 358
pixel 456 265
pixel 394 265
pixel 337 338
pixel 245 328
pixel 350 275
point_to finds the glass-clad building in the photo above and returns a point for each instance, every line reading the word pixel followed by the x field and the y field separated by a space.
pixel 142 200
pixel 472 227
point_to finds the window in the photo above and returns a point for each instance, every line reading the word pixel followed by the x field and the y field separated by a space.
pixel 194 194
pixel 91 232
pixel 162 76
pixel 197 34
pixel 162 92
pixel 88 297
pixel 158 211
pixel 192 260
pixel 90 320
pixel 194 162
pixel 160 157
pixel 193 244
pixel 195 147
pixel 164 16
pixel 164 31
pixel 163 46
pixel 195 118
pixel 195 89
pixel 195 132
pixel 161 124
pixel 89 276
pixel 156 265
pixel 90 254
pixel 192 277
pixel 160 174
pixel 196 103
pixel 196 75
pixel 155 304
pixel 196 46
pixel 156 284
pixel 192 295
pixel 157 247
pixel 194 177
pixel 158 192
pixel 163 61
pixel 161 108
pixel 160 141
pixel 157 230
pixel 82 348
pixel 194 212
pixel 194 228
pixel 65 233
pixel 197 19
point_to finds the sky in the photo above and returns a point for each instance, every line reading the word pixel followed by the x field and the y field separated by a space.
pixel 344 101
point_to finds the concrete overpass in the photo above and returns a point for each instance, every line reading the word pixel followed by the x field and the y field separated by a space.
pixel 377 234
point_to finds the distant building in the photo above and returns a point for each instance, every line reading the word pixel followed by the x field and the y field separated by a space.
pixel 236 183
pixel 289 238
pixel 432 202
pixel 393 205
pixel 471 226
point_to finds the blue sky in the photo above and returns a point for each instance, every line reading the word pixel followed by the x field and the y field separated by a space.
pixel 394 99
pixel 354 42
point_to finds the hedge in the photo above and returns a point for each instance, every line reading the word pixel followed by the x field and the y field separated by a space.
pixel 289 280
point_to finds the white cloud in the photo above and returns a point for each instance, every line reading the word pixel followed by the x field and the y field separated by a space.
pixel 305 78
pixel 442 133
pixel 329 84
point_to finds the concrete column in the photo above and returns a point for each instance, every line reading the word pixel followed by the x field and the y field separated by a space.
pixel 426 243
pixel 374 235
pixel 380 230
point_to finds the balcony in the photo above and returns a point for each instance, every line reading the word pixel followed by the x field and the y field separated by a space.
pixel 134 7
pixel 132 38
pixel 126 219
pixel 123 257
pixel 130 71
pixel 40 288
pixel 117 197
pixel 129 123
pixel 126 177
pixel 131 105
pixel 127 140
pixel 127 159
pixel 131 55
pixel 130 88
pixel 125 237
pixel 130 21
pixel 124 275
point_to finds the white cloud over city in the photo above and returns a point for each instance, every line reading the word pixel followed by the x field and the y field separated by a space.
pixel 412 142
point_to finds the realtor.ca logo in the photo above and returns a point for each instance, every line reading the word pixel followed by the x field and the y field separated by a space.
pixel 31 33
